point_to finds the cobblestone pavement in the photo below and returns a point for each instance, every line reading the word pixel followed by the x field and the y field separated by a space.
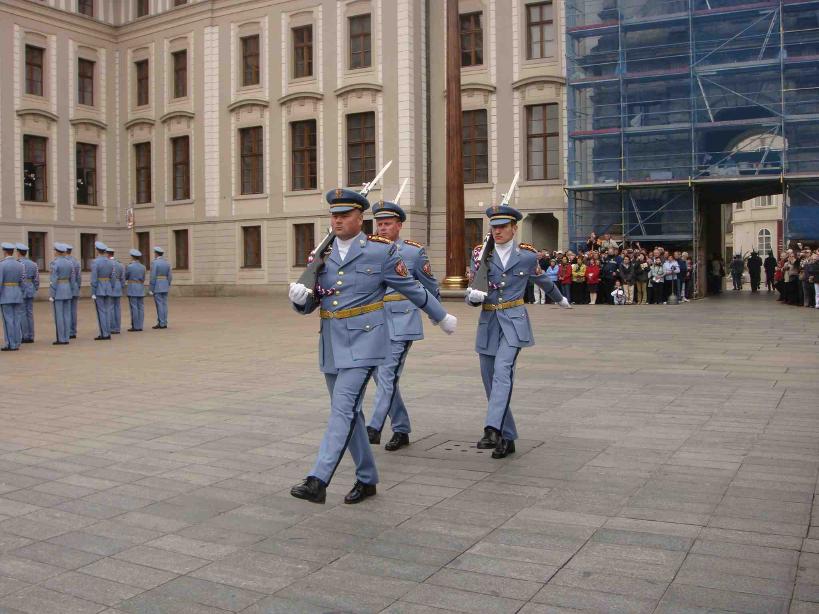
pixel 668 464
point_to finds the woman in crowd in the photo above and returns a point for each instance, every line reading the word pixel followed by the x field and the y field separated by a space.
pixel 592 279
pixel 656 282
pixel 626 274
pixel 565 277
pixel 553 273
pixel 579 281
pixel 641 272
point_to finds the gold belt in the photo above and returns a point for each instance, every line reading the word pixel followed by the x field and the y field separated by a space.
pixel 136 281
pixel 162 277
pixel 341 314
pixel 390 298
pixel 10 283
pixel 63 281
pixel 500 306
pixel 103 278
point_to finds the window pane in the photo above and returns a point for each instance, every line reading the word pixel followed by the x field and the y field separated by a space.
pixel 35 170
pixel 34 70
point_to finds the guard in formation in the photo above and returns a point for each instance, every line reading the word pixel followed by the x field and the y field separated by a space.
pixel 101 290
pixel 60 292
pixel 349 293
pixel 76 284
pixel 11 298
pixel 503 326
pixel 29 287
pixel 117 281
pixel 161 278
pixel 404 326
pixel 135 290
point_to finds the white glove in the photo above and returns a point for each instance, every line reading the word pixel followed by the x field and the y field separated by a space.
pixel 298 294
pixel 51 299
pixel 476 296
pixel 448 324
pixel 150 293
pixel 565 304
pixel 93 297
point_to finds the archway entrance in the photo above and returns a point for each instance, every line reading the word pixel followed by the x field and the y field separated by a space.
pixel 541 230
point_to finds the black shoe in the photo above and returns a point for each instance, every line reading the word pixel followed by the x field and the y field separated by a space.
pixel 59 343
pixel 131 330
pixel 504 448
pixel 360 492
pixel 100 338
pixel 114 332
pixel 489 439
pixel 312 489
pixel 8 349
pixel 72 336
pixel 373 435
pixel 28 340
pixel 398 441
pixel 156 326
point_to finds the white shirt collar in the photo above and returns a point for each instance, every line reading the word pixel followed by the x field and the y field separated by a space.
pixel 504 251
pixel 343 246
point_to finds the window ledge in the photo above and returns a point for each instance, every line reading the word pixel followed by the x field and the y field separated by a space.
pixel 312 79
pixel 142 205
pixel 173 203
pixel 251 268
pixel 293 193
pixel 89 207
pixel 538 182
pixel 478 186
pixel 36 203
pixel 250 196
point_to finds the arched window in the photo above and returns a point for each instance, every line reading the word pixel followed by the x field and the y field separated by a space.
pixel 763 241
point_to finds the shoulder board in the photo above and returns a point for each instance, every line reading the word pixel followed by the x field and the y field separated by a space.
pixel 478 247
pixel 528 247
pixel 378 239
pixel 413 243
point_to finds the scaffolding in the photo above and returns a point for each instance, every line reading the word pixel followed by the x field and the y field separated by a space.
pixel 678 105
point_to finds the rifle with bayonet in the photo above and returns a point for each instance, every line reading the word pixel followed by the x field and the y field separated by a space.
pixel 481 279
pixel 316 260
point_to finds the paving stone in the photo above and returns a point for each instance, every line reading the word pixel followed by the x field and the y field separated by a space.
pixel 127 573
pixel 158 558
pixel 255 571
pixel 38 600
pixel 461 601
pixel 593 601
pixel 92 588
pixel 208 593
pixel 698 596
pixel 54 554
pixel 496 586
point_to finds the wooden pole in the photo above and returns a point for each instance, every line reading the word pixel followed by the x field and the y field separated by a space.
pixel 455 249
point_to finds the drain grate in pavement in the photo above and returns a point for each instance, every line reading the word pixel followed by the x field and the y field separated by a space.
pixel 458 447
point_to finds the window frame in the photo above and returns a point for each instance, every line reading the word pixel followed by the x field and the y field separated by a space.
pixel 252 161
pixel 85 81
pixel 249 71
pixel 87 250
pixel 85 7
pixel 144 245
pixel 541 24
pixel 545 135
pixel 367 171
pixel 143 82
pixel 82 151
pixel 180 163
pixel 363 57
pixel 143 8
pixel 303 232
pixel 255 259
pixel 181 248
pixel 770 242
pixel 304 158
pixel 302 52
pixel 475 35
pixel 470 142
pixel 180 73
pixel 142 173
pixel 31 66
pixel 37 241
pixel 40 195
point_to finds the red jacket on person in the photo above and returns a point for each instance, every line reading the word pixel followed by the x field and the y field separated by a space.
pixel 592 273
pixel 564 275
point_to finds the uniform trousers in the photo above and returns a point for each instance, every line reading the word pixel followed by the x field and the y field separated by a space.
pixel 137 305
pixel 62 319
pixel 103 307
pixel 161 302
pixel 11 325
pixel 75 301
pixel 540 296
pixel 346 428
pixel 388 399
pixel 116 314
pixel 27 319
pixel 498 374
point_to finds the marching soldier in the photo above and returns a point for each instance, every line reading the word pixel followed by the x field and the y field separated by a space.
pixel 11 275
pixel 76 284
pixel 503 327
pixel 29 287
pixel 117 280
pixel 161 278
pixel 60 293
pixel 101 270
pixel 135 290
pixel 353 341
pixel 404 324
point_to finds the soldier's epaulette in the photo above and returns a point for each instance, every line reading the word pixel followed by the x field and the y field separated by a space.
pixel 378 239
pixel 413 243
pixel 478 247
pixel 528 247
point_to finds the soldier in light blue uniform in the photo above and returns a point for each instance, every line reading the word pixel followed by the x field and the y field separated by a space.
pixel 404 324
pixel 29 287
pixel 353 338
pixel 503 327
pixel 101 270
pixel 76 284
pixel 135 290
pixel 117 281
pixel 60 293
pixel 11 296
pixel 161 278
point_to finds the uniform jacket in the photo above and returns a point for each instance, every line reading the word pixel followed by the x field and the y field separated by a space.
pixel 362 278
pixel 11 274
pixel 404 318
pixel 117 278
pixel 76 277
pixel 135 279
pixel 101 270
pixel 508 283
pixel 60 287
pixel 31 278
pixel 161 276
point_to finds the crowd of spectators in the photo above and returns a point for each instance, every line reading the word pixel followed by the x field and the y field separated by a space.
pixel 795 275
pixel 610 274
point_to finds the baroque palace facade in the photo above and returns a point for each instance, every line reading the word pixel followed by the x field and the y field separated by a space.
pixel 213 127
